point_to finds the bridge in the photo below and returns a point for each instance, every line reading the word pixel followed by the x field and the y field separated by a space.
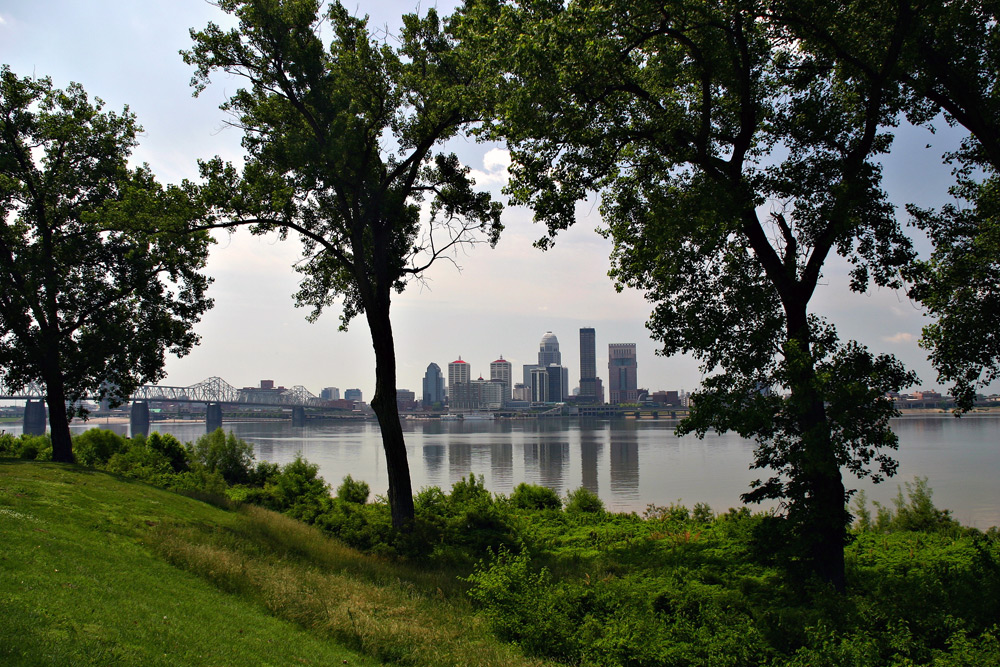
pixel 214 392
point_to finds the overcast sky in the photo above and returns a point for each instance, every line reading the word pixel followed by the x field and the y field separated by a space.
pixel 500 302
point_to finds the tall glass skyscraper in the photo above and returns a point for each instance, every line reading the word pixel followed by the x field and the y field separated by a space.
pixel 433 386
pixel 588 366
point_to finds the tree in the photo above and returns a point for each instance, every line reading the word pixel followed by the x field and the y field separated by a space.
pixel 731 166
pixel 91 298
pixel 943 57
pixel 343 147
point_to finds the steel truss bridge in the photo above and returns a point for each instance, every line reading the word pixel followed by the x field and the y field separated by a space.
pixel 213 390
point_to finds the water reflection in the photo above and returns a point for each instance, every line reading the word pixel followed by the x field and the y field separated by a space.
pixel 961 458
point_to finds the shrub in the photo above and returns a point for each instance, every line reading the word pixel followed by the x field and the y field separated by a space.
pixel 225 454
pixel 299 489
pixel 583 500
pixel 177 454
pixel 351 491
pixel 96 446
pixel 534 497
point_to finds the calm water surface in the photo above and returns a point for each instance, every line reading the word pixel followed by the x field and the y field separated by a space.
pixel 628 463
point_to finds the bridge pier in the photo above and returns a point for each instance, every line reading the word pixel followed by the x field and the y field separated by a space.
pixel 213 416
pixel 34 417
pixel 298 416
pixel 139 419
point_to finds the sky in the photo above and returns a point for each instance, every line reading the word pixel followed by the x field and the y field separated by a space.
pixel 484 305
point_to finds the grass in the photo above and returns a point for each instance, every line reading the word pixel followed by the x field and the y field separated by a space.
pixel 100 570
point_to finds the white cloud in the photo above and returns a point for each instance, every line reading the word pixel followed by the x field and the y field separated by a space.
pixel 496 161
pixel 900 337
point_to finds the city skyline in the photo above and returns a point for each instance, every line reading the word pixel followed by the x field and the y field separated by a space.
pixel 498 303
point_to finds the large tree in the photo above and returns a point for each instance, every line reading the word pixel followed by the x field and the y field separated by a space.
pixel 91 297
pixel 343 146
pixel 945 59
pixel 732 166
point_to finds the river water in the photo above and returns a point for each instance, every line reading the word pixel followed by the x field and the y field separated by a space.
pixel 628 463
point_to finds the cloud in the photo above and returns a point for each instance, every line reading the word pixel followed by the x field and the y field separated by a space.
pixel 3 21
pixel 495 165
pixel 901 337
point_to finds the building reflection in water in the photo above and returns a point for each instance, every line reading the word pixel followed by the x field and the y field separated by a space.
pixel 625 461
pixel 592 437
pixel 502 465
pixel 459 460
pixel 433 463
pixel 550 459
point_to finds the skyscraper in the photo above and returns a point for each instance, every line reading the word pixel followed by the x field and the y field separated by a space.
pixel 588 366
pixel 623 386
pixel 458 371
pixel 500 371
pixel 548 350
pixel 433 386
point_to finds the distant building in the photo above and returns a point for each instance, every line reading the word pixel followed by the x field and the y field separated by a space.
pixel 265 393
pixel 434 389
pixel 458 371
pixel 666 398
pixel 588 368
pixel 622 383
pixel 352 395
pixel 500 371
pixel 491 394
pixel 406 400
pixel 548 350
pixel 465 396
pixel 330 394
pixel 521 392
pixel 539 385
pixel 556 377
pixel 526 371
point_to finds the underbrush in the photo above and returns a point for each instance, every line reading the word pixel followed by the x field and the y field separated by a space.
pixel 565 580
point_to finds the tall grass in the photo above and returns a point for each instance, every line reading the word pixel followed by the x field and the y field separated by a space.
pixel 376 607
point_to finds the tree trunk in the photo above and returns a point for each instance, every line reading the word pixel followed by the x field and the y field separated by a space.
pixel 821 518
pixel 55 398
pixel 387 411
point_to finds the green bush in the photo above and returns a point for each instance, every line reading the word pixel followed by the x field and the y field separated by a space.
pixel 299 489
pixel 583 500
pixel 32 447
pixel 533 497
pixel 176 453
pixel 226 454
pixel 95 447
pixel 351 491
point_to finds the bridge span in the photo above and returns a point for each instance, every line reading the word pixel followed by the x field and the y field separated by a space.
pixel 213 392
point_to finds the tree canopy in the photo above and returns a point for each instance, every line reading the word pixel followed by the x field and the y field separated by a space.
pixel 732 166
pixel 97 283
pixel 344 147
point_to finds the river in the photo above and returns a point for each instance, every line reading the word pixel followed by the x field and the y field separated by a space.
pixel 628 463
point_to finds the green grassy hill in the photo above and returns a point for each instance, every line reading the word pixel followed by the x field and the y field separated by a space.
pixel 99 570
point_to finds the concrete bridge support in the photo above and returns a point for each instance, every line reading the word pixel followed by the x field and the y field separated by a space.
pixel 34 418
pixel 139 419
pixel 298 416
pixel 213 416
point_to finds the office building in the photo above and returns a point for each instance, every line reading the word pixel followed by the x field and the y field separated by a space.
pixel 539 385
pixel 458 371
pixel 588 368
pixel 556 378
pixel 330 394
pixel 433 389
pixel 622 383
pixel 500 371
pixel 464 396
pixel 548 350
pixel 352 395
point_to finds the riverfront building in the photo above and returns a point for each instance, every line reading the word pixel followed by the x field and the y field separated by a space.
pixel 352 395
pixel 433 389
pixel 500 371
pixel 622 383
pixel 591 388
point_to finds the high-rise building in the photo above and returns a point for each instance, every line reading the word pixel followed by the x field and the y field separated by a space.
pixel 352 395
pixel 433 392
pixel 458 371
pixel 500 372
pixel 623 386
pixel 330 394
pixel 539 385
pixel 556 378
pixel 588 367
pixel 548 350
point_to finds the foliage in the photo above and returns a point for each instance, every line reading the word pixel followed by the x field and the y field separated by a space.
pixel 583 500
pixel 914 512
pixel 28 447
pixel 534 497
pixel 351 491
pixel 343 133
pixel 96 285
pixel 731 166
pixel 95 446
pixel 225 454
